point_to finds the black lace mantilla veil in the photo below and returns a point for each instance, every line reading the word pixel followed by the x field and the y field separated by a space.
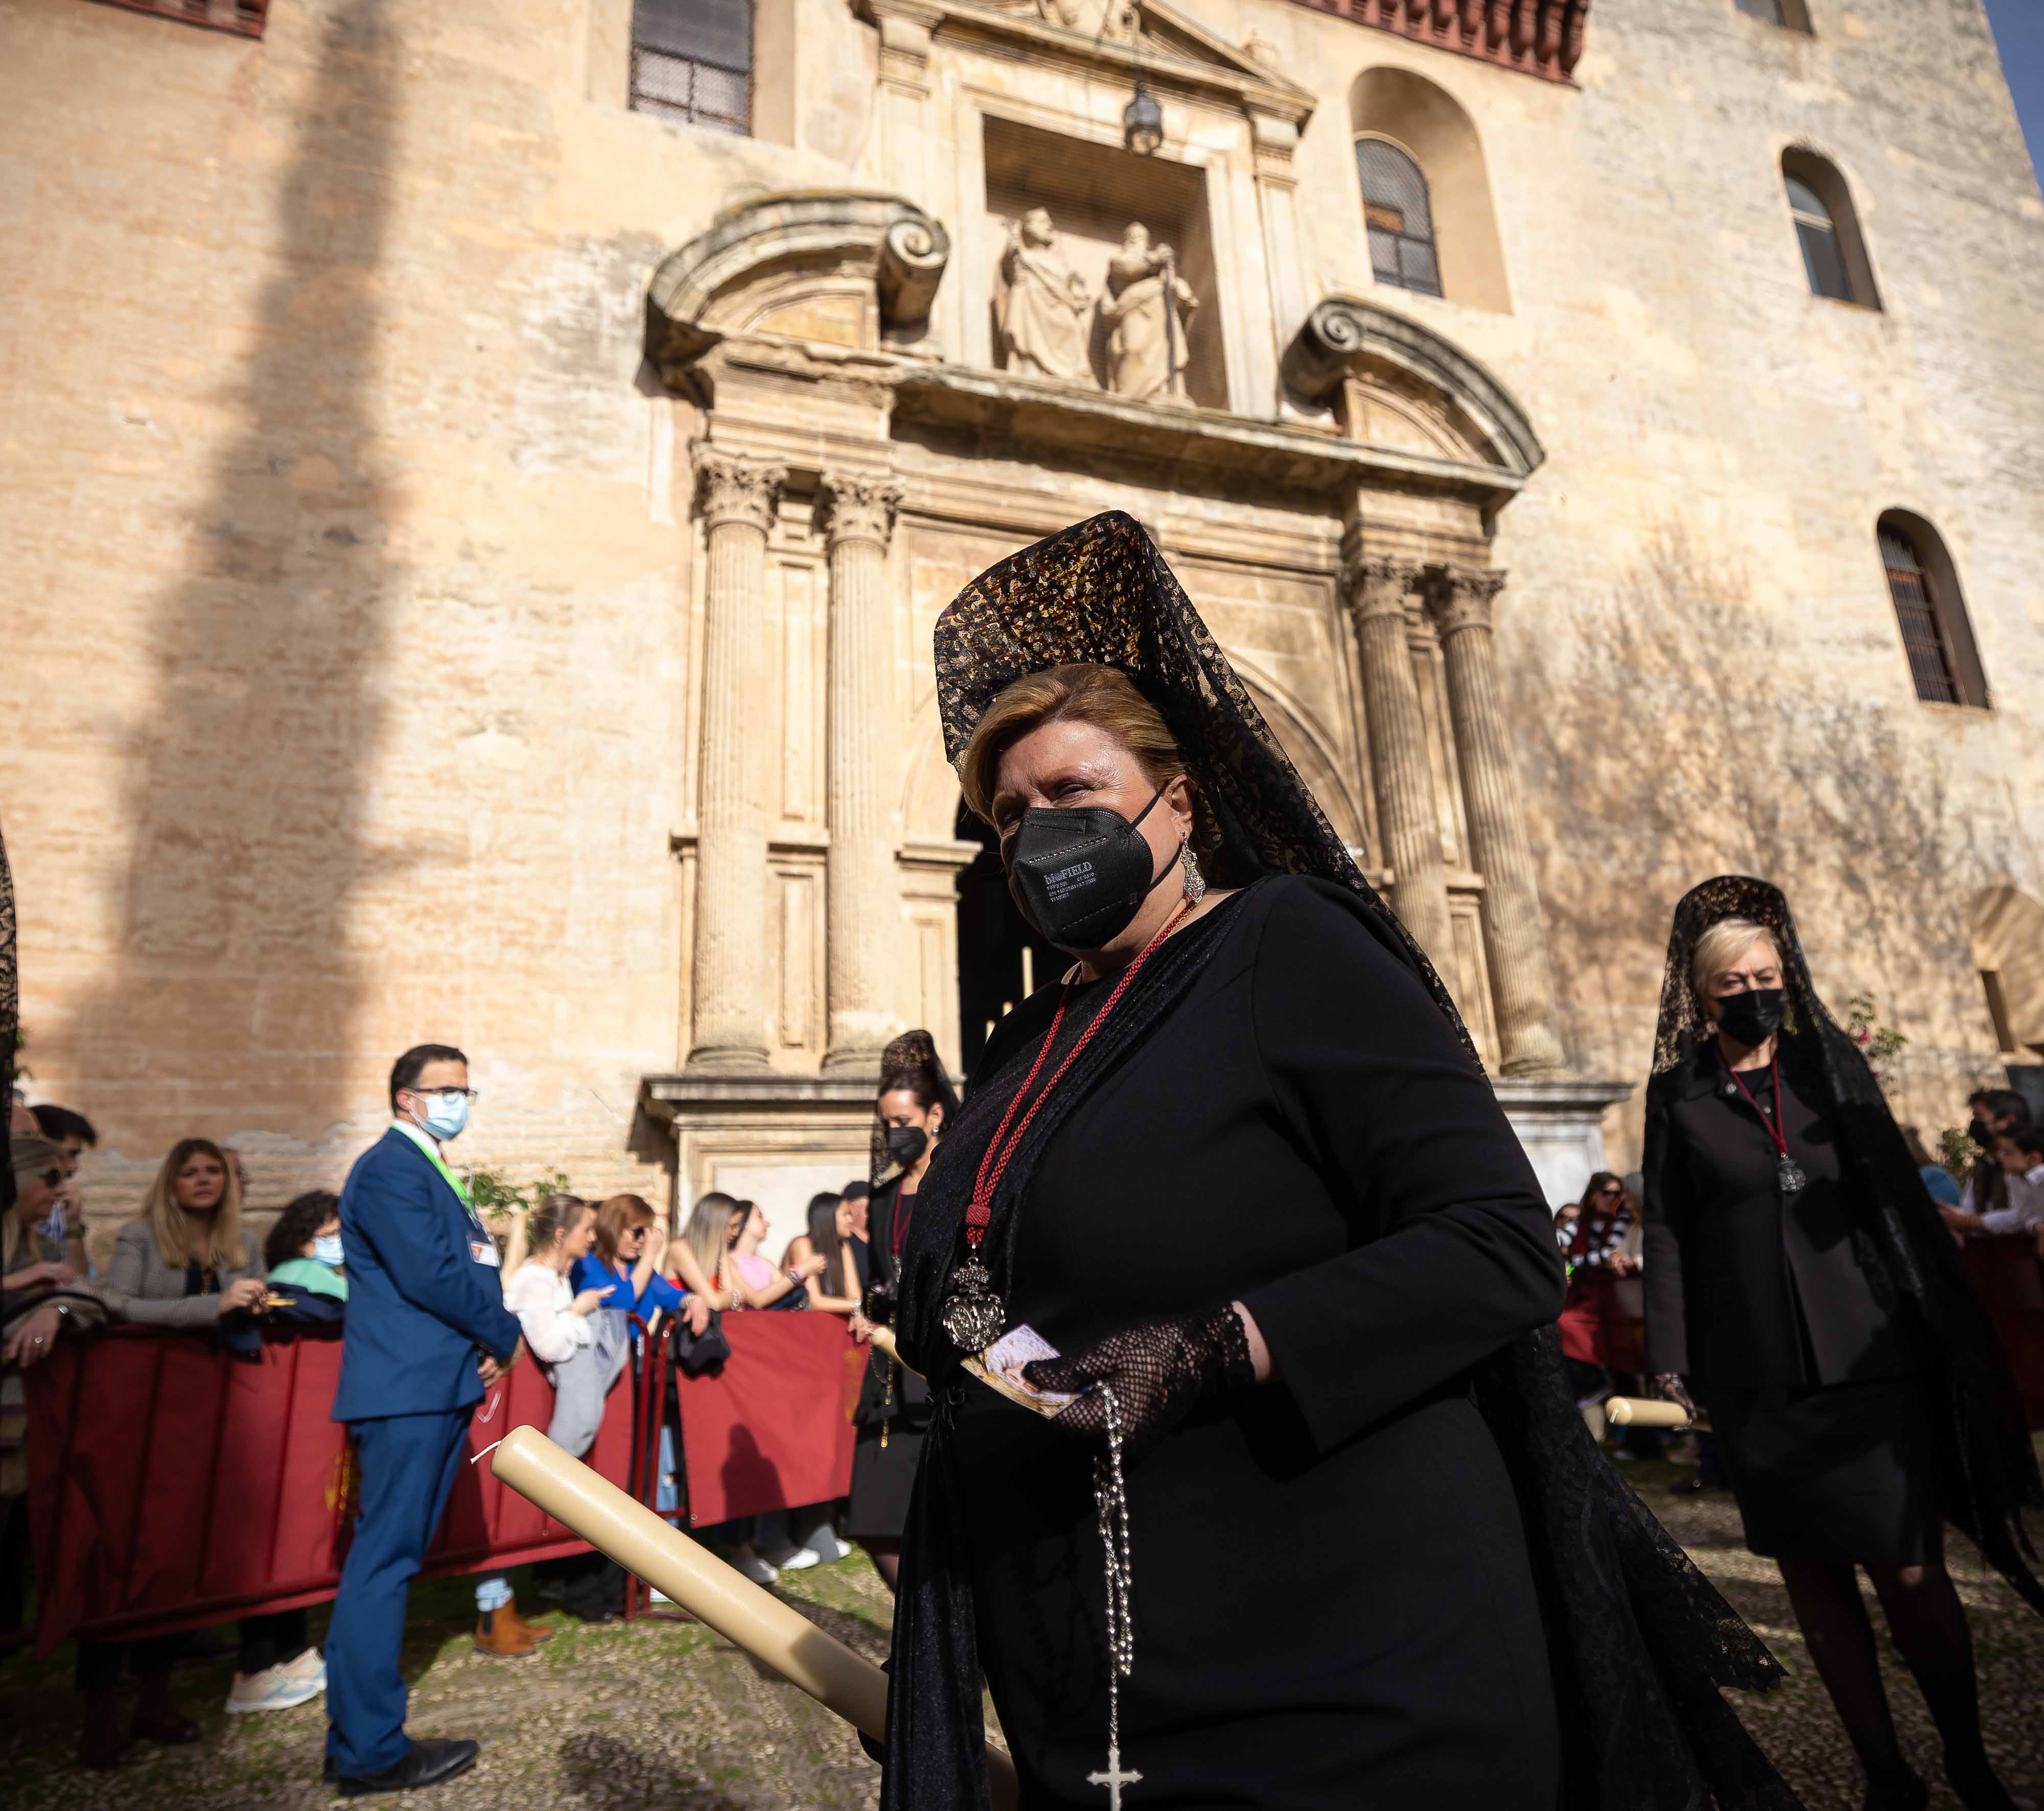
pixel 1990 1467
pixel 1641 1643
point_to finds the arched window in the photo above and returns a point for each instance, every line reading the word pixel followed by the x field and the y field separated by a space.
pixel 692 62
pixel 1791 14
pixel 1426 190
pixel 1826 230
pixel 1936 636
pixel 1400 216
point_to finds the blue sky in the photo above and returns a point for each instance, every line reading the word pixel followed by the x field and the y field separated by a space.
pixel 2018 34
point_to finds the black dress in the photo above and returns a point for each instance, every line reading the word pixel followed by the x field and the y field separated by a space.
pixel 894 1408
pixel 1332 1599
pixel 1786 1322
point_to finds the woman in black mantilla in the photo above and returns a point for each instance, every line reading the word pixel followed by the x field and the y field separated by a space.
pixel 1242 1169
pixel 909 1115
pixel 1800 1284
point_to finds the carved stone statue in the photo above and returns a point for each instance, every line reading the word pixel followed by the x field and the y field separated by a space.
pixel 1117 21
pixel 1041 303
pixel 1146 308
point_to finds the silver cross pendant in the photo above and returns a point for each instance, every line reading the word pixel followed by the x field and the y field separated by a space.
pixel 1114 1779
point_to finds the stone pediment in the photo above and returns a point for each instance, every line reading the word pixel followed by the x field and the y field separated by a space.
pixel 1169 49
pixel 825 268
pixel 1402 387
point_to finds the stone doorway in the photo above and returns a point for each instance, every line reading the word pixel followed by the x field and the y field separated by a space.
pixel 1000 961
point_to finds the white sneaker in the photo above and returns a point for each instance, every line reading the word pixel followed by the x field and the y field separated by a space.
pixel 309 1665
pixel 275 1688
pixel 798 1559
pixel 749 1565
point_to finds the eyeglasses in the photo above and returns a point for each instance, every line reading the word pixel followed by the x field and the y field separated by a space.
pixel 444 1094
pixel 1611 1188
pixel 52 1178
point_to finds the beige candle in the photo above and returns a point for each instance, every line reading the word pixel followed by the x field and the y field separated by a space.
pixel 1642 1411
pixel 738 1610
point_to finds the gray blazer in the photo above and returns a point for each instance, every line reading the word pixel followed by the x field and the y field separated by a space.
pixel 140 1288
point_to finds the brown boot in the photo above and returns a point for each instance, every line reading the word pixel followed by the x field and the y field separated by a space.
pixel 497 1636
pixel 532 1632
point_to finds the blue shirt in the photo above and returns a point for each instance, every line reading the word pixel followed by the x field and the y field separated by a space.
pixel 591 1272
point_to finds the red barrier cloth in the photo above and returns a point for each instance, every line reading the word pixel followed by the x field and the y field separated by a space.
pixel 772 1428
pixel 172 1487
pixel 1592 1329
pixel 2009 1278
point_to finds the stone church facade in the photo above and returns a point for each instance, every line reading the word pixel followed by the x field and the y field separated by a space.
pixel 481 479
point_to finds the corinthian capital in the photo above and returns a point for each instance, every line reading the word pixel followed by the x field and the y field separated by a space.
pixel 1461 597
pixel 1377 586
pixel 732 489
pixel 857 505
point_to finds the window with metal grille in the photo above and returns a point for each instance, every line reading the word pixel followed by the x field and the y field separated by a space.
pixel 1399 216
pixel 243 17
pixel 692 61
pixel 1823 259
pixel 1916 611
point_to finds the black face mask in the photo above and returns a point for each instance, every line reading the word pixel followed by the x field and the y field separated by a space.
pixel 1752 1017
pixel 1079 873
pixel 906 1143
pixel 1981 1133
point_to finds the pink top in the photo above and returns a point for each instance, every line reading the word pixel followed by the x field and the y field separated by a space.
pixel 758 1273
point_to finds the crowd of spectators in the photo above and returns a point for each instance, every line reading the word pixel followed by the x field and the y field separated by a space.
pixel 576 1272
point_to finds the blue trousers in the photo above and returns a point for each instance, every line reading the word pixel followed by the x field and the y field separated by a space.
pixel 408 1464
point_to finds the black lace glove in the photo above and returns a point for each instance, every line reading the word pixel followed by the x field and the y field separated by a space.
pixel 1668 1385
pixel 1160 1372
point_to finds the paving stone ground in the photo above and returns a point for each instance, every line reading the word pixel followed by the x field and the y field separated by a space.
pixel 665 1717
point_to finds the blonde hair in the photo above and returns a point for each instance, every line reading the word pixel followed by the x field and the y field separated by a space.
pixel 709 1233
pixel 558 1214
pixel 172 1226
pixel 1721 946
pixel 1080 692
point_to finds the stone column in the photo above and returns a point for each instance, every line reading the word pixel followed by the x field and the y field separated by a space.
pixel 1406 816
pixel 862 902
pixel 1461 602
pixel 737 498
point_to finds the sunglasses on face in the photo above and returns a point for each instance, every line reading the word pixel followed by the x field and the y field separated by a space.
pixel 52 1178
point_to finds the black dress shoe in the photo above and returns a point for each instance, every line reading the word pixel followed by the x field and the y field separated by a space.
pixel 432 1759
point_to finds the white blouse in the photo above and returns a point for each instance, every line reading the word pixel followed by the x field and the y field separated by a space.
pixel 539 1296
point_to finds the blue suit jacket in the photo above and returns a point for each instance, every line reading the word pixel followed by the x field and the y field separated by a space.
pixel 419 1306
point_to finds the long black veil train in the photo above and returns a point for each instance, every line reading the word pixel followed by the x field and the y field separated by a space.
pixel 1990 1467
pixel 1641 1642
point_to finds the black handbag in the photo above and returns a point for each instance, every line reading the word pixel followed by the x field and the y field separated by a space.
pixel 695 1353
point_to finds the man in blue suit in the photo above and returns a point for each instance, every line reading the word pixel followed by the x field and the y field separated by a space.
pixel 427 1329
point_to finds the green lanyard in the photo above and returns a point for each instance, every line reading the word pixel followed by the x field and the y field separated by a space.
pixel 432 1152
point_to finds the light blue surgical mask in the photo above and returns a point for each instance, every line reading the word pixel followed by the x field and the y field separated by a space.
pixel 53 1225
pixel 326 1247
pixel 446 1114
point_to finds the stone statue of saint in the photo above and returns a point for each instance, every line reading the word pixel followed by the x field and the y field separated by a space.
pixel 1146 308
pixel 1041 303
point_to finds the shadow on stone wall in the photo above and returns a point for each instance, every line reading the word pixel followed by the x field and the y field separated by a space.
pixel 231 1006
pixel 1670 730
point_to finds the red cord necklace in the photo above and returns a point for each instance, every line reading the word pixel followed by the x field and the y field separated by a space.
pixel 973 1314
pixel 1787 1173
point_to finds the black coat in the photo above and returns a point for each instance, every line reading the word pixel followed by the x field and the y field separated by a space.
pixel 1744 1290
pixel 1333 1600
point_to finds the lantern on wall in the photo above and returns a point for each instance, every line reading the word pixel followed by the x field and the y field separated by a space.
pixel 1142 122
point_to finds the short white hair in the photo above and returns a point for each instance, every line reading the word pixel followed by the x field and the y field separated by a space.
pixel 1721 946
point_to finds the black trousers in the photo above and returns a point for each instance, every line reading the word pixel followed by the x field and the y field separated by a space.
pixel 267 1641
